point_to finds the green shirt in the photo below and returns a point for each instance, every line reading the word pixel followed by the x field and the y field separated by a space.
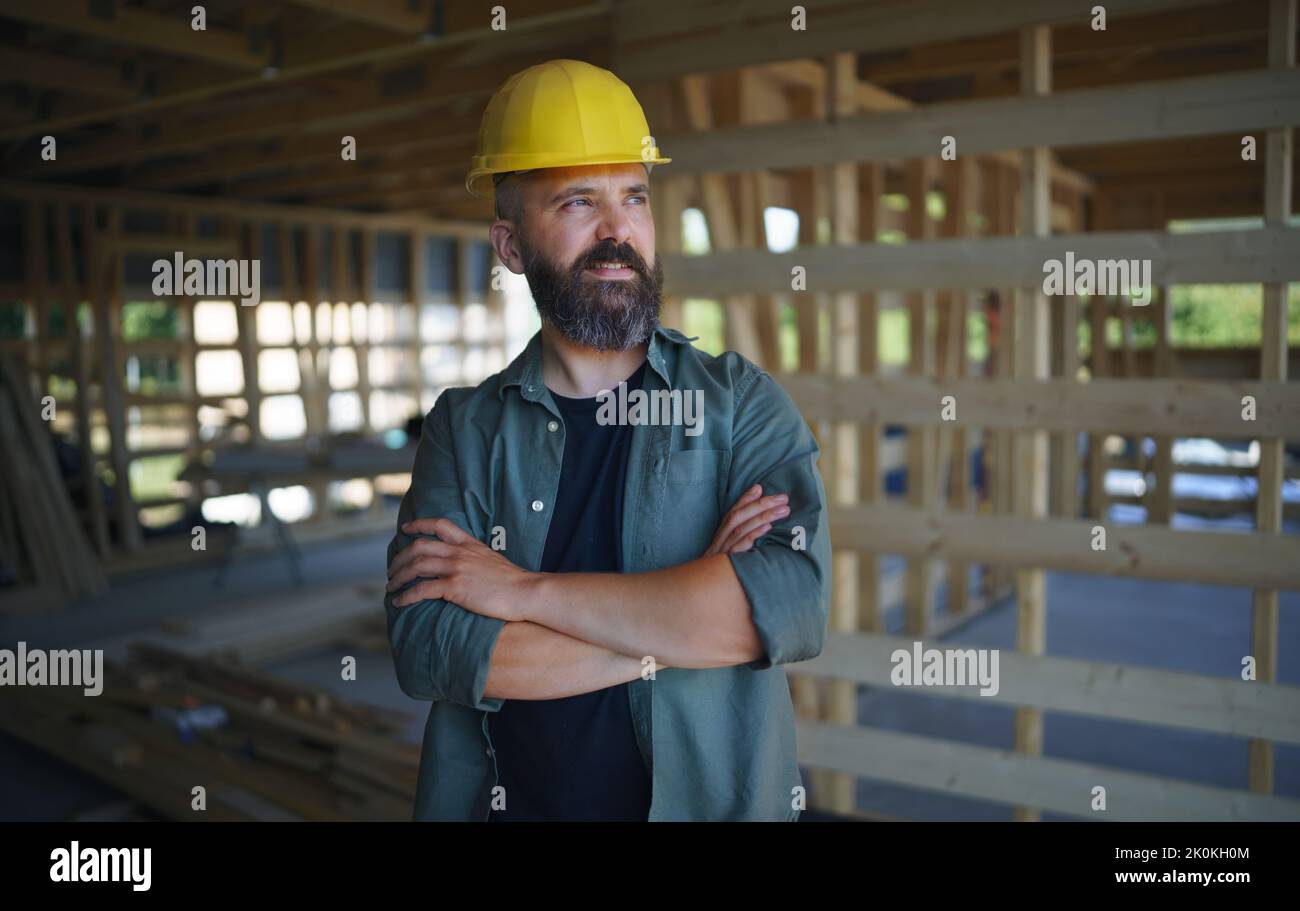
pixel 720 742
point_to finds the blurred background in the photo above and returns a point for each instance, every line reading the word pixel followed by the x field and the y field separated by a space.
pixel 206 491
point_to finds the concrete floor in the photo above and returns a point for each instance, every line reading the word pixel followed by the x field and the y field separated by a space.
pixel 1182 627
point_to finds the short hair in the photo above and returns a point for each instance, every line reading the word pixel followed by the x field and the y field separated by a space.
pixel 509 197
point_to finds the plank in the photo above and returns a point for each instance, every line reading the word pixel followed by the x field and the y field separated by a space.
pixel 1195 702
pixel 1217 257
pixel 1058 785
pixel 1134 551
pixel 1178 407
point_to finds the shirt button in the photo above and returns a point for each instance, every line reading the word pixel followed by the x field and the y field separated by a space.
pixel 488 751
pixel 537 505
pixel 553 426
pixel 529 389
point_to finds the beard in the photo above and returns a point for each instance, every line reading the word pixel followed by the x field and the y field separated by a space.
pixel 602 314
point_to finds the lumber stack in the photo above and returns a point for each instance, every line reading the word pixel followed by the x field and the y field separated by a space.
pixel 42 541
pixel 284 752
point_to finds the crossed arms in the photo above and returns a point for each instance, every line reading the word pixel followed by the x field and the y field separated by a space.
pixel 474 628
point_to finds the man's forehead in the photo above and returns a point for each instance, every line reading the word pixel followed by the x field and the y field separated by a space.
pixel 547 181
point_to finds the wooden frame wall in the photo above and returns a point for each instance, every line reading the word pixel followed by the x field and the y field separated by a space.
pixel 96 361
pixel 1024 409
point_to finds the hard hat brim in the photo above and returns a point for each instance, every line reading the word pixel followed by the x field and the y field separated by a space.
pixel 479 180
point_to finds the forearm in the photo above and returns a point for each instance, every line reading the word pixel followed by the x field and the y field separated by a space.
pixel 693 615
pixel 534 662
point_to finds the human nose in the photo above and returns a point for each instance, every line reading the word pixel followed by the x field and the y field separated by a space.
pixel 614 224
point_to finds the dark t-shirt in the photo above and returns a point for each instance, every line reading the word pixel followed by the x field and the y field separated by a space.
pixel 577 758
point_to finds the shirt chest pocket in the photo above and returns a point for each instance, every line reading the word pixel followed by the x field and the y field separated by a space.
pixel 696 466
pixel 692 503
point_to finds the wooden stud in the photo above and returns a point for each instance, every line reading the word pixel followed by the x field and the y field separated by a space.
pixel 1033 349
pixel 1279 168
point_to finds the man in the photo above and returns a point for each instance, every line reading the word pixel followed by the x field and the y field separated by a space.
pixel 599 640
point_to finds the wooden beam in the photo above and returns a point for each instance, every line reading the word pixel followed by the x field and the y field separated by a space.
pixel 1065 545
pixel 68 74
pixel 1199 106
pixel 845 221
pixel 136 27
pixel 377 166
pixel 1177 407
pixel 73 293
pixel 1220 257
pixel 1057 785
pixel 409 17
pixel 107 270
pixel 1033 354
pixel 362 105
pixel 534 23
pixel 1279 170
pixel 1190 702
pixel 922 473
pixel 234 208
pixel 656 39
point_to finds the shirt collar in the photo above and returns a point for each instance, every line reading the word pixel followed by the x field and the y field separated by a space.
pixel 525 371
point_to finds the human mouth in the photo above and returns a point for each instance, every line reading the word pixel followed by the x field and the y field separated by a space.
pixel 607 269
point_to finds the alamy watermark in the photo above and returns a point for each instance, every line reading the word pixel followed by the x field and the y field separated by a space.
pixel 76 864
pixel 60 667
pixel 946 667
pixel 661 406
pixel 1129 277
pixel 179 276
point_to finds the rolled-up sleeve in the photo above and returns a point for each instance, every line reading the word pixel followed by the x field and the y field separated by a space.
pixel 440 650
pixel 786 575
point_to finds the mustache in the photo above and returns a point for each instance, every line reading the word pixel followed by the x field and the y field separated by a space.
pixel 608 251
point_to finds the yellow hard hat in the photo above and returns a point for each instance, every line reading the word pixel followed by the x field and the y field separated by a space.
pixel 558 114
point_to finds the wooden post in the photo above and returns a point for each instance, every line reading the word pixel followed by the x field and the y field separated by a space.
pixel 724 233
pixel 1033 348
pixel 1065 465
pixel 72 296
pixel 107 267
pixel 1004 352
pixel 961 203
pixel 922 485
pixel 669 203
pixel 1278 162
pixel 843 199
pixel 38 356
pixel 182 225
pixel 1162 495
pixel 755 199
pixel 464 292
pixel 314 386
pixel 1099 362
pixel 247 242
pixel 419 283
pixel 366 292
pixel 871 614
pixel 806 691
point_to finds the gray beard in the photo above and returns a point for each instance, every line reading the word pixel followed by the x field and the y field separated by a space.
pixel 612 315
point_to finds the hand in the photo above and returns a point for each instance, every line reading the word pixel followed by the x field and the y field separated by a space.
pixel 459 568
pixel 748 520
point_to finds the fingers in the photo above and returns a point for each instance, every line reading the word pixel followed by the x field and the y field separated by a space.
pixel 743 515
pixel 445 529
pixel 430 589
pixel 766 517
pixel 416 550
pixel 426 567
pixel 749 496
pixel 747 542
